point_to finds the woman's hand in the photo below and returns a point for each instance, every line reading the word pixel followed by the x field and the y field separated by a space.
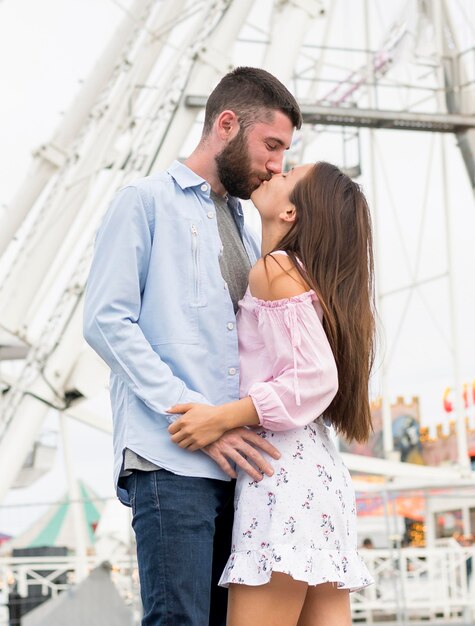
pixel 199 425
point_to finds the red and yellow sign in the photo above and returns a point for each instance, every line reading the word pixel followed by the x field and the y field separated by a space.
pixel 468 397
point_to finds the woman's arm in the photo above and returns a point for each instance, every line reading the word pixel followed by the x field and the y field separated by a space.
pixel 201 424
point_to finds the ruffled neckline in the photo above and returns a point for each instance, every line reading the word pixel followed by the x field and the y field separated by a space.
pixel 276 304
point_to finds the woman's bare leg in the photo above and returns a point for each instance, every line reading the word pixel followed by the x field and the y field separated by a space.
pixel 326 605
pixel 278 603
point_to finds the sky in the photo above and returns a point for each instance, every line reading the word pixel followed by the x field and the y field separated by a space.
pixel 47 49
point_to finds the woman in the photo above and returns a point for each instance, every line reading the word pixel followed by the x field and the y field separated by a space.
pixel 306 331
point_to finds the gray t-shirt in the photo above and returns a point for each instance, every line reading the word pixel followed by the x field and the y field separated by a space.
pixel 234 262
pixel 235 265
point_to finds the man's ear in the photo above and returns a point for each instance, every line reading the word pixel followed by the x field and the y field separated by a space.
pixel 227 125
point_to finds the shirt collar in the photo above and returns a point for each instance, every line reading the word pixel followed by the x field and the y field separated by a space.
pixel 185 178
pixel 235 205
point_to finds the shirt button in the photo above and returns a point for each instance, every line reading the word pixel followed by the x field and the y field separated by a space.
pixel 232 371
pixel 210 215
pixel 230 325
pixel 225 285
pixel 204 187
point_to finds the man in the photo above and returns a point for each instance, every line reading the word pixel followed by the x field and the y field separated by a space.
pixel 171 263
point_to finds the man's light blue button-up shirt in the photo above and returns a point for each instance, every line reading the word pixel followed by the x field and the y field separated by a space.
pixel 158 311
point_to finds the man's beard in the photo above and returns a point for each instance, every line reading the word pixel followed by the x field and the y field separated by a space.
pixel 233 164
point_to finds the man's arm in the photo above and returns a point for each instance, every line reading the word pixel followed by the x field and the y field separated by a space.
pixel 113 301
pixel 112 308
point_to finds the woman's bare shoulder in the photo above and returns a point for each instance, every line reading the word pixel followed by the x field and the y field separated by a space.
pixel 274 277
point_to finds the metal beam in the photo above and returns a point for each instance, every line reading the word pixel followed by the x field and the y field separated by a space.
pixel 13 352
pixel 373 118
pixel 383 467
pixel 50 157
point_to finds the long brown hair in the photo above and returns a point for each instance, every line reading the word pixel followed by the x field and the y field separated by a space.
pixel 332 238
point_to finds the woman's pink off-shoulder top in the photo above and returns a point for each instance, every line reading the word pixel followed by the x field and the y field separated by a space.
pixel 286 363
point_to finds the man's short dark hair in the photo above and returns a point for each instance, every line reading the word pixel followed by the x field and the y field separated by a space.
pixel 251 93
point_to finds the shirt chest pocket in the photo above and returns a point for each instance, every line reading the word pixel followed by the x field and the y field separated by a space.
pixel 177 283
pixel 198 291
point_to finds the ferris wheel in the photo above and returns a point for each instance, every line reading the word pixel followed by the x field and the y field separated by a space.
pixel 358 73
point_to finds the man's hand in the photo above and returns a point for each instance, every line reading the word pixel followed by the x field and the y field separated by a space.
pixel 238 442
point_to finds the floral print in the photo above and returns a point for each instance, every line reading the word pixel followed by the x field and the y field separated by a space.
pixel 300 521
pixel 322 473
pixel 308 499
pixel 298 454
pixel 289 526
pixel 282 476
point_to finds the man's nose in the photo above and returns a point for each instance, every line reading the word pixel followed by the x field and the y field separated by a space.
pixel 274 165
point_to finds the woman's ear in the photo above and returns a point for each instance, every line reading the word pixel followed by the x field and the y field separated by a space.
pixel 289 214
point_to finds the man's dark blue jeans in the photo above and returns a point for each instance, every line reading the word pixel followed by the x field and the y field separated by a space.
pixel 183 530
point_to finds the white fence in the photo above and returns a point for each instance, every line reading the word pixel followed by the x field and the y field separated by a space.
pixel 418 584
pixel 412 584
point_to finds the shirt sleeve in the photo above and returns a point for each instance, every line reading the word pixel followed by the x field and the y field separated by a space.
pixel 113 302
pixel 304 375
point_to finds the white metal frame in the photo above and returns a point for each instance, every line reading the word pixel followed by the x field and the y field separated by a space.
pixel 132 115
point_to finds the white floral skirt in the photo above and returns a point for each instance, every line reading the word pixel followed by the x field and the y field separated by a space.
pixel 302 520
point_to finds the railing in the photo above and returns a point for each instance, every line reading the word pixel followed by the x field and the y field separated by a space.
pixel 25 581
pixel 411 584
pixel 418 583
